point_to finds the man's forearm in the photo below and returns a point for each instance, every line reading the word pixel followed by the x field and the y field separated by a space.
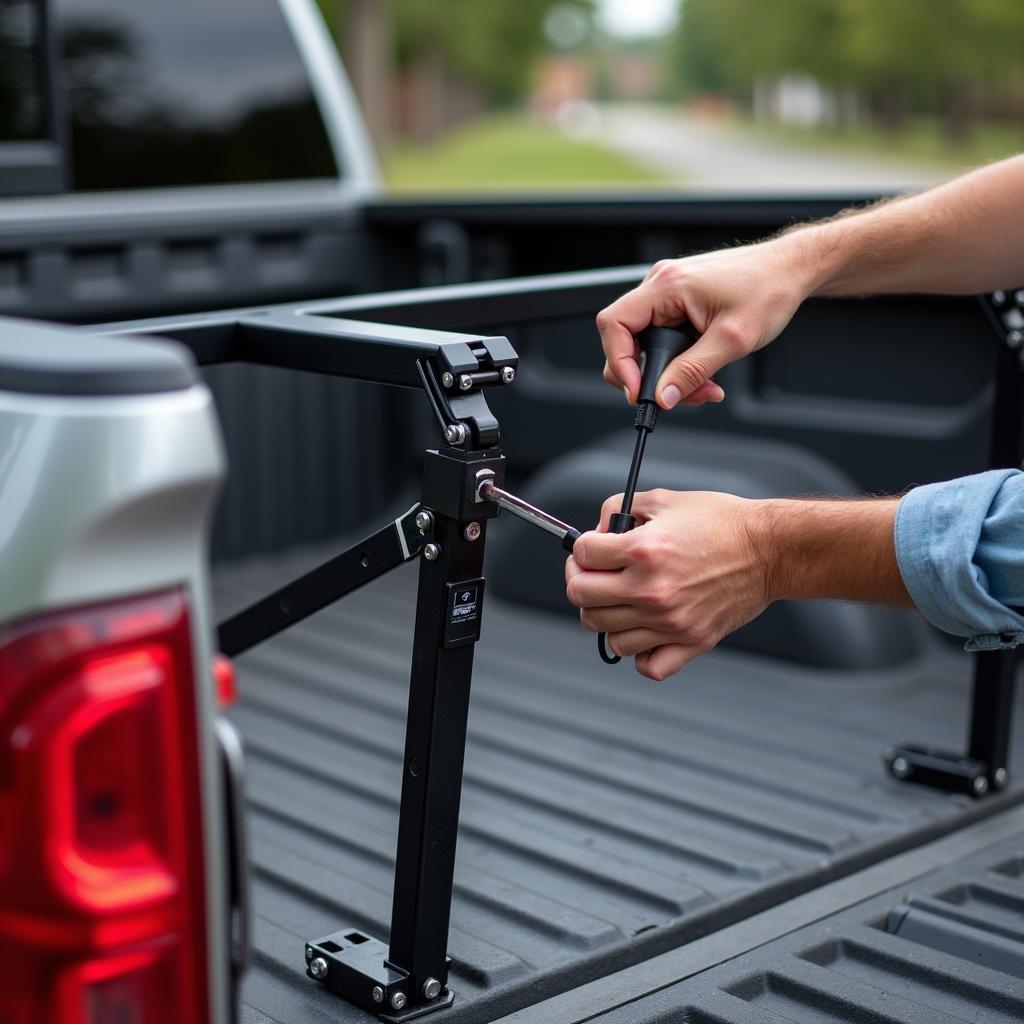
pixel 958 238
pixel 831 549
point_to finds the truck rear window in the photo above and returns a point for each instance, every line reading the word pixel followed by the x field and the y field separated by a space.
pixel 21 87
pixel 195 92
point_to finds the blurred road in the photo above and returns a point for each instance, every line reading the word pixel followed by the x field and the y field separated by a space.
pixel 714 155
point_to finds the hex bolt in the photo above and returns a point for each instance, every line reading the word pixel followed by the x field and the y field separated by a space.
pixel 318 967
pixel 378 994
pixel 900 767
pixel 424 520
pixel 1000 777
pixel 432 552
pixel 465 382
pixel 431 988
pixel 980 786
pixel 508 374
pixel 455 433
pixel 398 1000
pixel 472 532
pixel 447 378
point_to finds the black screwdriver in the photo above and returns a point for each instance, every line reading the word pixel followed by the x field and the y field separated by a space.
pixel 659 345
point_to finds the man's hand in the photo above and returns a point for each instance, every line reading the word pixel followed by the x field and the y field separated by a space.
pixel 692 571
pixel 737 299
pixel 700 565
pixel 959 238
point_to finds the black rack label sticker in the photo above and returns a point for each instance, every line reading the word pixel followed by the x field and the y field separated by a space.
pixel 464 607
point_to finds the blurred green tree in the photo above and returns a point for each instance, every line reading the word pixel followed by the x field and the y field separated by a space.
pixel 447 58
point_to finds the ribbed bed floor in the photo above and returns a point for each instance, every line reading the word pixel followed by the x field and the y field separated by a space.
pixel 604 818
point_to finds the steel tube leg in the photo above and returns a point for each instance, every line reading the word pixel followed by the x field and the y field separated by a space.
pixel 434 747
pixel 992 712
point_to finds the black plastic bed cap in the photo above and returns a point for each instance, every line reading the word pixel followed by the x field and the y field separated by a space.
pixel 45 359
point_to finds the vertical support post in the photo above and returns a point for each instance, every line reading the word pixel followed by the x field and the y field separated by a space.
pixel 985 767
pixel 435 743
pixel 995 672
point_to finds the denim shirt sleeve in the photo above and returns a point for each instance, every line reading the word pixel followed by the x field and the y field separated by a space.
pixel 960 549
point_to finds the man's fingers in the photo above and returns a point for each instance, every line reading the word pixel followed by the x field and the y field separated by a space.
pixel 619 619
pixel 627 643
pixel 664 661
pixel 618 325
pixel 608 508
pixel 592 590
pixel 603 551
pixel 709 391
pixel 687 374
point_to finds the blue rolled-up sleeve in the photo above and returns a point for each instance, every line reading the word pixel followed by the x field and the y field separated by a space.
pixel 960 549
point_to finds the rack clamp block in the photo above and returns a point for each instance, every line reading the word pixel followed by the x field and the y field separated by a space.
pixel 355 965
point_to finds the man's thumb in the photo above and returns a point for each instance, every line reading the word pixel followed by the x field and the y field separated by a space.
pixel 688 377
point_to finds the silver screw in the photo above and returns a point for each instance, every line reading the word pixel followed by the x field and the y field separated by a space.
pixel 378 994
pixel 465 382
pixel 309 953
pixel 424 520
pixel 980 786
pixel 432 552
pixel 1000 777
pixel 1015 339
pixel 508 374
pixel 455 433
pixel 398 1000
pixel 447 378
pixel 999 298
pixel 318 968
pixel 472 532
pixel 431 988
pixel 900 768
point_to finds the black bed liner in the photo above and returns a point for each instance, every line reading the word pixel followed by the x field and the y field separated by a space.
pixel 947 946
pixel 605 819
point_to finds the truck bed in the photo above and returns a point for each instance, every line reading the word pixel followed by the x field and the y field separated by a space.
pixel 605 819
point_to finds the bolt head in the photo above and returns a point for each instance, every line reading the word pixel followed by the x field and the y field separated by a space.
pixel 508 374
pixel 398 1000
pixel 900 767
pixel 309 953
pixel 431 988
pixel 318 967
pixel 424 520
pixel 455 433
pixel 378 994
pixel 472 532
pixel 432 552
pixel 1015 339
pixel 447 378
pixel 465 382
pixel 1000 777
pixel 980 786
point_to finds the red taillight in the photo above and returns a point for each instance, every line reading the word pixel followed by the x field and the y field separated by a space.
pixel 101 848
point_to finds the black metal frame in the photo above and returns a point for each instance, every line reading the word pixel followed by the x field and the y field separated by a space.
pixel 448 529
pixel 986 765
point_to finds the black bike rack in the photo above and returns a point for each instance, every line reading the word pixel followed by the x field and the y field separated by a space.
pixel 986 765
pixel 447 531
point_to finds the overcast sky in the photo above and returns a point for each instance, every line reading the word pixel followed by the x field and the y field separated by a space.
pixel 638 17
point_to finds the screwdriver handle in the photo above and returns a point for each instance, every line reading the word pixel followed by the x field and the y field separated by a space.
pixel 660 346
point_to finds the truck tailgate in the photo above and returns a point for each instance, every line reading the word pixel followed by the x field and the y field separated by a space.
pixel 605 819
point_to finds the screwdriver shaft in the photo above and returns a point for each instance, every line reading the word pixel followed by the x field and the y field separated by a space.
pixel 503 499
